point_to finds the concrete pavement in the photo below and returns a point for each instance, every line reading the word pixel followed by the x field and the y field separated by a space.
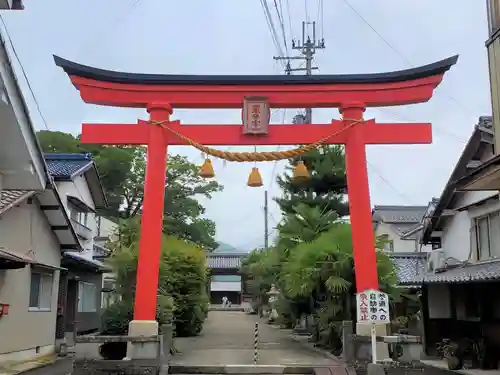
pixel 228 339
pixel 62 366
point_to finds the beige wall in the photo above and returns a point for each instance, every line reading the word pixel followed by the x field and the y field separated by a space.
pixel 494 66
pixel 25 230
pixel 400 245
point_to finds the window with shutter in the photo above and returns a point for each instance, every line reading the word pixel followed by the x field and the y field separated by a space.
pixel 473 240
pixel 485 236
pixel 495 235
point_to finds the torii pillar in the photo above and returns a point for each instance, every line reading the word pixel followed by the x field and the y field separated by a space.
pixel 352 94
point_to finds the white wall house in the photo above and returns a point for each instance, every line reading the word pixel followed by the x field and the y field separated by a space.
pixel 459 228
pixel 77 180
pixel 30 247
pixel 79 186
pixel 21 164
pixel 401 226
pixel 464 230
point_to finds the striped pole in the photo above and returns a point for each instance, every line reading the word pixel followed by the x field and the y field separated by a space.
pixel 255 343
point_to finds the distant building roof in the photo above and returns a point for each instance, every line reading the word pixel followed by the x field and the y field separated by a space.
pixel 398 214
pixel 66 166
pixel 225 260
pixel 410 267
pixel 411 271
pixel 475 272
pixel 82 260
pixel 101 252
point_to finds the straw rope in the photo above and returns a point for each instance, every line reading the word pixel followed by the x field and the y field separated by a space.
pixel 255 156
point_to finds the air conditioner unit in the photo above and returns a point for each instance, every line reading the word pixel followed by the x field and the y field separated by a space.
pixel 435 260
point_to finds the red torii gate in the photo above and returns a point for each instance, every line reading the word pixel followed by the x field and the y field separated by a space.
pixel 159 94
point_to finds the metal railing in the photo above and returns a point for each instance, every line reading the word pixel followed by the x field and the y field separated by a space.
pixel 82 230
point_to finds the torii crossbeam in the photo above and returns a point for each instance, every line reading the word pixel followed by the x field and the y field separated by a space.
pixel 160 94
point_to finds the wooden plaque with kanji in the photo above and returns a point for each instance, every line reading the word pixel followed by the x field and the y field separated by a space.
pixel 256 116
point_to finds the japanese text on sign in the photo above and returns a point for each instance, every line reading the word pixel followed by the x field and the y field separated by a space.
pixel 372 307
pixel 256 116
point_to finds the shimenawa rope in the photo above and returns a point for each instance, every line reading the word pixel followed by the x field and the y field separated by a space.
pixel 255 156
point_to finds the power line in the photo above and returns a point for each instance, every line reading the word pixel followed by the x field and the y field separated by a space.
pixel 404 196
pixel 320 18
pixel 23 71
pixel 282 24
pixel 119 19
pixel 448 133
pixel 272 28
pixel 394 49
pixel 287 5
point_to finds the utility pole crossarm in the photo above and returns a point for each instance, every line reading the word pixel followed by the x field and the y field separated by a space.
pixel 289 57
pixel 307 46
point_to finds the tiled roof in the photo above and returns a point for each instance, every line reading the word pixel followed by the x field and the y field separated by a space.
pixel 9 197
pixel 399 214
pixel 101 251
pixel 410 267
pixel 485 271
pixel 401 229
pixel 66 165
pixel 82 259
pixel 224 261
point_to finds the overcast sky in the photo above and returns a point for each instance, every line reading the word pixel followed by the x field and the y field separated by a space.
pixel 232 37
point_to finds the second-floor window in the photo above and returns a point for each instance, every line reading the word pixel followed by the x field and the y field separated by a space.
pixel 487 230
pixel 493 15
pixel 81 217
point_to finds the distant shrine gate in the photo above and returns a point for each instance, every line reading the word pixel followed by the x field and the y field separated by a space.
pixel 160 94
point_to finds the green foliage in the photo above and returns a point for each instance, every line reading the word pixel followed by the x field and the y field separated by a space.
pixel 182 282
pixel 304 224
pixel 122 171
pixel 327 184
pixel 313 266
pixel 116 317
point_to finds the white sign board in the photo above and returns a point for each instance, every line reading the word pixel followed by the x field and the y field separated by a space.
pixel 372 306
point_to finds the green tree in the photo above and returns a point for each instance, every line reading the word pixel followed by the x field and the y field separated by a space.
pixel 122 172
pixel 304 224
pixel 317 277
pixel 326 186
pixel 182 282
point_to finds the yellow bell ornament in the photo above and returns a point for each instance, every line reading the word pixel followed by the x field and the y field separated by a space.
pixel 300 172
pixel 255 179
pixel 207 169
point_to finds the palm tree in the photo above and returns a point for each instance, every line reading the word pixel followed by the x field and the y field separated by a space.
pixel 305 224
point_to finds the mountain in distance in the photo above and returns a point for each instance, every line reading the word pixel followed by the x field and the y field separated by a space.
pixel 226 248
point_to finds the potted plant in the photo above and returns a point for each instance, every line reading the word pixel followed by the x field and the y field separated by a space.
pixel 449 351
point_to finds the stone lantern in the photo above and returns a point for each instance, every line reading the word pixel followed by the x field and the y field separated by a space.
pixel 273 300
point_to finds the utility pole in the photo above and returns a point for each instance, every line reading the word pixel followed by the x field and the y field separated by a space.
pixel 266 221
pixel 307 47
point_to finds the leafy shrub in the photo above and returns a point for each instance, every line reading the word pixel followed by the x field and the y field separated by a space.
pixel 116 317
pixel 182 297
